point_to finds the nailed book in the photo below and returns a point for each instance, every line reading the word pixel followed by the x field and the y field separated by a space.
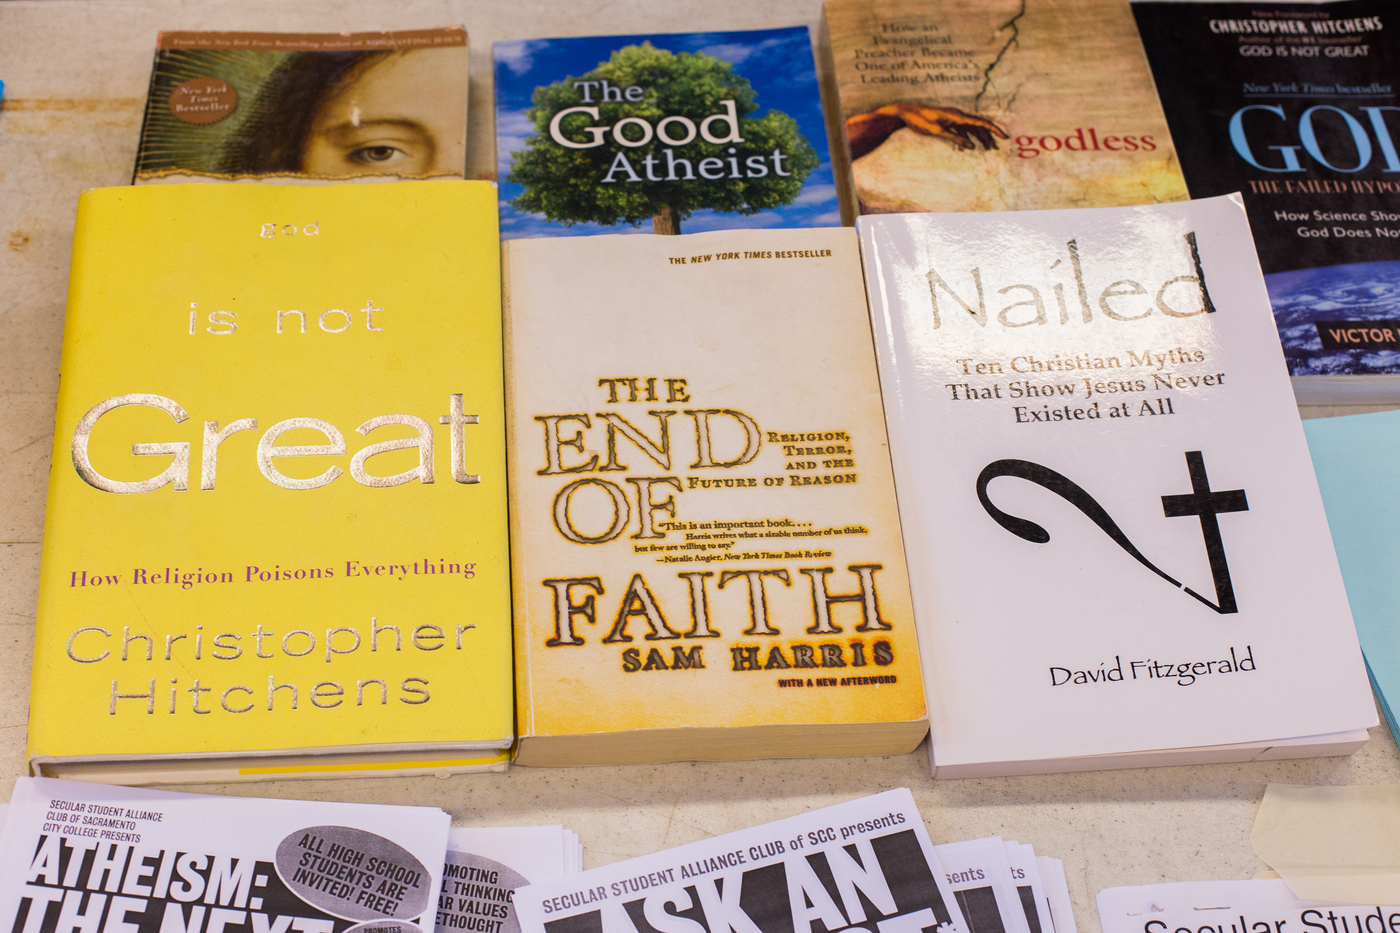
pixel 661 133
pixel 1299 113
pixel 275 540
pixel 968 105
pixel 706 552
pixel 1120 555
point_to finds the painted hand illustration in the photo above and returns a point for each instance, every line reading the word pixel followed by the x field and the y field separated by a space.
pixel 866 131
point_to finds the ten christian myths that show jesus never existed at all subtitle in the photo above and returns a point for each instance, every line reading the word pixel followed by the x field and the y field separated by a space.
pixel 275 541
pixel 989 105
pixel 706 551
pixel 1096 401
pixel 1299 113
pixel 661 133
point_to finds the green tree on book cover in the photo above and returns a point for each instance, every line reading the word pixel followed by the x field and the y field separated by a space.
pixel 656 135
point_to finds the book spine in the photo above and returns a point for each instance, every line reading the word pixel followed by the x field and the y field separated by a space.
pixel 524 681
pixel 60 459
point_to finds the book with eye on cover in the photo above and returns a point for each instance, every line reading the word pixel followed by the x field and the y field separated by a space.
pixel 311 107
pixel 992 105
pixel 706 553
pixel 1298 112
pixel 1118 549
pixel 275 539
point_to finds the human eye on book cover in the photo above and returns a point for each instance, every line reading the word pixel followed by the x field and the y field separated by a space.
pixel 661 133
pixel 311 106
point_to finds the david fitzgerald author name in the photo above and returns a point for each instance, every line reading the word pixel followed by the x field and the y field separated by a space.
pixel 1182 673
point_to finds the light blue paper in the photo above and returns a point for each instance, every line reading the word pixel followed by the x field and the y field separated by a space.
pixel 1357 459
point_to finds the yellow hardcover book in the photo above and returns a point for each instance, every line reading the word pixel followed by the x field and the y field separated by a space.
pixel 276 539
pixel 706 547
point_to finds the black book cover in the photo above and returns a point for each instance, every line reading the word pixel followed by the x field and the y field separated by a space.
pixel 1295 107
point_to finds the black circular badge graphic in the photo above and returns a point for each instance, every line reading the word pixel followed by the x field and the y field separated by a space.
pixel 353 874
pixel 477 896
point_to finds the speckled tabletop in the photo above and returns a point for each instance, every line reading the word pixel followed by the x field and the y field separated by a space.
pixel 75 74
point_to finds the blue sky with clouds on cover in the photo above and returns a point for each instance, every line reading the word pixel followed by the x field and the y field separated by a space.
pixel 777 62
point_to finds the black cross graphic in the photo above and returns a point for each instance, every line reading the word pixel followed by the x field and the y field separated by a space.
pixel 1206 504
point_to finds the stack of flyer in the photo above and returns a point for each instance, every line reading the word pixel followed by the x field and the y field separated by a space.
pixel 1242 906
pixel 140 861
pixel 95 857
pixel 1002 886
pixel 485 866
pixel 868 862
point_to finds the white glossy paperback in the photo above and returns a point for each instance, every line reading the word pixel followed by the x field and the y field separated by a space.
pixel 1118 551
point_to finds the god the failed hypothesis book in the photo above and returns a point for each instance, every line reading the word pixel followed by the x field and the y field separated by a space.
pixel 1298 113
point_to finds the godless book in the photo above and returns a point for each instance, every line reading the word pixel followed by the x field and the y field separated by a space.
pixel 990 105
